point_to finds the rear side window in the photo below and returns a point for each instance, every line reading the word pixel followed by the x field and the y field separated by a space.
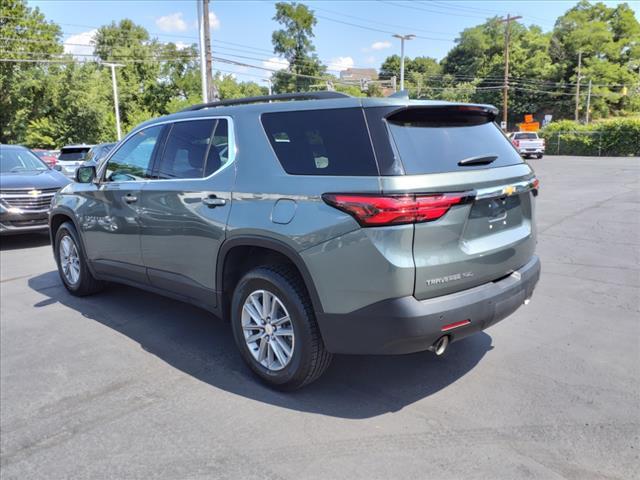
pixel 321 142
pixel 434 140
pixel 194 149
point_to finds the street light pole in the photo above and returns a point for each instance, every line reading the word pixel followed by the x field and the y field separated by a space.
pixel 402 39
pixel 268 80
pixel 115 95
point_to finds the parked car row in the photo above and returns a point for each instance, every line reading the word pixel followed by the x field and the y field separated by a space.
pixel 27 186
pixel 30 178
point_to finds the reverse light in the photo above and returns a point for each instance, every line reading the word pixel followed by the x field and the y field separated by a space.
pixel 380 210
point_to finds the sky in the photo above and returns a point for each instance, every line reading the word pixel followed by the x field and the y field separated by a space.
pixel 349 33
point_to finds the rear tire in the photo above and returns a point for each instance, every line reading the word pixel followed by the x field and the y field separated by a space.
pixel 285 354
pixel 539 156
pixel 72 263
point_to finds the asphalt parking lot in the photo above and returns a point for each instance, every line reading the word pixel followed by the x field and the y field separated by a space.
pixel 127 384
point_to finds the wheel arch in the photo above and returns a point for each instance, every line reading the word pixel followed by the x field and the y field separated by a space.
pixel 57 217
pixel 280 248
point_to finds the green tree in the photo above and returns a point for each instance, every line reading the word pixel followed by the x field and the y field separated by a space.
pixel 609 39
pixel 420 74
pixel 293 42
pixel 24 34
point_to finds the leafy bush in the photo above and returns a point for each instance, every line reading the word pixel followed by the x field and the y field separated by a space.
pixel 617 137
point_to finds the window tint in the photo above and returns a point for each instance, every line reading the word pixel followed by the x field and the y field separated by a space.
pixel 68 154
pixel 194 149
pixel 431 141
pixel 132 160
pixel 321 142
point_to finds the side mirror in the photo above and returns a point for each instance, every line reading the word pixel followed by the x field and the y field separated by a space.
pixel 85 174
pixel 57 167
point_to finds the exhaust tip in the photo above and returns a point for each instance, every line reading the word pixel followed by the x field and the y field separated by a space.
pixel 441 345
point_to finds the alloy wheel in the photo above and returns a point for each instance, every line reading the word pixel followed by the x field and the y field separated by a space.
pixel 267 329
pixel 69 260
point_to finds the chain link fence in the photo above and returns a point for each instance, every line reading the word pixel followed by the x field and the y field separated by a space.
pixel 574 143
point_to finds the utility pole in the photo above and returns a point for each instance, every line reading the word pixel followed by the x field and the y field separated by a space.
pixel 203 59
pixel 212 91
pixel 402 39
pixel 505 88
pixel 577 115
pixel 588 102
pixel 115 95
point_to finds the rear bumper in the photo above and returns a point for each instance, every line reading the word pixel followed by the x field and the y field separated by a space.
pixel 406 325
pixel 531 151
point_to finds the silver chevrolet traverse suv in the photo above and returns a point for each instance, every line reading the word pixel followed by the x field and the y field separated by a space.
pixel 315 223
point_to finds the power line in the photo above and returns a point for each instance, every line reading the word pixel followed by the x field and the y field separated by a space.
pixel 364 27
pixel 413 7
pixel 405 27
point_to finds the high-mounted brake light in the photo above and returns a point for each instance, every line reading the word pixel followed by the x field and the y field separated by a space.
pixel 380 210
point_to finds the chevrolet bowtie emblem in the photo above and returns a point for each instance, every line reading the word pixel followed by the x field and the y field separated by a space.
pixel 34 193
pixel 509 190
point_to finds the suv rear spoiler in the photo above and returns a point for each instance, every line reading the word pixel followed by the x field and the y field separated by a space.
pixel 443 115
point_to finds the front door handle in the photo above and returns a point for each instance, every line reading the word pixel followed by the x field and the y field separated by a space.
pixel 130 198
pixel 212 201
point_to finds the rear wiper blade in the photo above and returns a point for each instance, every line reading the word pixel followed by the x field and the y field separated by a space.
pixel 479 160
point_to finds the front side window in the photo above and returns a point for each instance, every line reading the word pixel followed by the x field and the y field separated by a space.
pixel 321 142
pixel 194 149
pixel 132 161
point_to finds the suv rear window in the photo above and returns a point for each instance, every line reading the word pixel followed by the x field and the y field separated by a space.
pixel 321 142
pixel 525 136
pixel 67 154
pixel 434 140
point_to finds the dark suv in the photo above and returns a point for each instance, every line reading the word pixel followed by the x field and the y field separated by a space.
pixel 324 225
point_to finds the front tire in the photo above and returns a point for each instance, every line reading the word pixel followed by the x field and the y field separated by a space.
pixel 72 262
pixel 275 329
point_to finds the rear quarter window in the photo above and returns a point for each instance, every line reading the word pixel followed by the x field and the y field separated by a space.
pixel 321 142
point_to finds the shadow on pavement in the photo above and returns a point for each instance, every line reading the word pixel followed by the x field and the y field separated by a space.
pixel 25 240
pixel 200 345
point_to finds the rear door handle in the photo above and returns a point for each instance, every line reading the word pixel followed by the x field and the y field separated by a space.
pixel 212 201
pixel 130 198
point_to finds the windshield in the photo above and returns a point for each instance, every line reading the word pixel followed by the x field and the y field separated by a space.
pixel 96 153
pixel 16 160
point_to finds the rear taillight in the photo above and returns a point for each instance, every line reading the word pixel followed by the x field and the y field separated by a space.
pixel 516 143
pixel 380 210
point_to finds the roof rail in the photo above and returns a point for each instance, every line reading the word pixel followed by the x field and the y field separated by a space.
pixel 324 95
